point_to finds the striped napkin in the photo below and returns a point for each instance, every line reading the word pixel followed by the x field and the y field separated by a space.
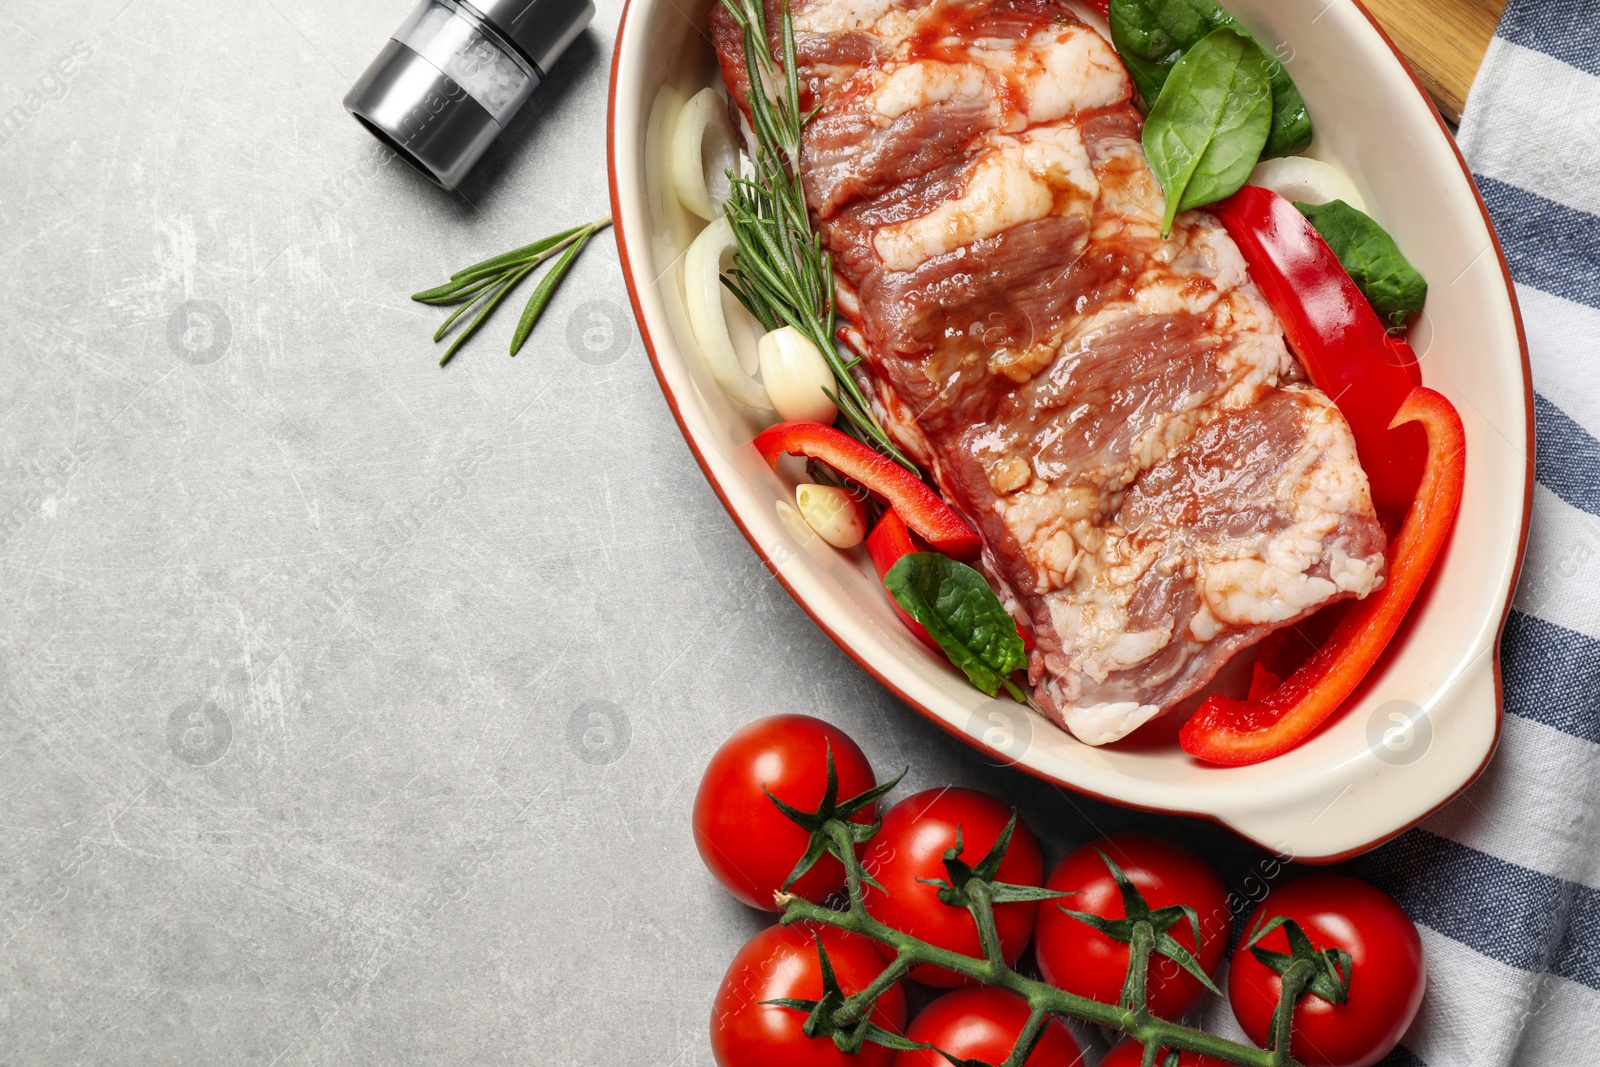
pixel 1505 881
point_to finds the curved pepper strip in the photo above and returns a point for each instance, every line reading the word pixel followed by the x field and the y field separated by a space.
pixel 1235 733
pixel 888 541
pixel 921 508
pixel 1339 339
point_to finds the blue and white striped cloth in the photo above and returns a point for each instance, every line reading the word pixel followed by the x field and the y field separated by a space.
pixel 1506 880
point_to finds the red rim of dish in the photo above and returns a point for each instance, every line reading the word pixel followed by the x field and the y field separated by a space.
pixel 861 661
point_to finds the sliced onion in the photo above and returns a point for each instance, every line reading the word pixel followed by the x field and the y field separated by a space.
pixel 703 150
pixel 1307 180
pixel 702 295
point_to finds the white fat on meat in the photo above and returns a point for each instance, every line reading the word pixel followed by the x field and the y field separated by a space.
pixel 840 16
pixel 1101 724
pixel 909 86
pixel 1015 180
pixel 1051 75
pixel 1057 73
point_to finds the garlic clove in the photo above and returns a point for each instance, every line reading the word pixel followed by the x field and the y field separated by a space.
pixel 795 376
pixel 836 516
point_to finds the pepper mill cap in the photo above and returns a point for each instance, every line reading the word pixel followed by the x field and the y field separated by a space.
pixel 540 29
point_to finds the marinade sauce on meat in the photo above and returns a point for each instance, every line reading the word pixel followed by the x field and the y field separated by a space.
pixel 1156 484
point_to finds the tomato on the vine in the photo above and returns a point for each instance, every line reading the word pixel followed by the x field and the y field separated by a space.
pixel 1082 960
pixel 1129 1053
pixel 782 962
pixel 1387 975
pixel 745 841
pixel 911 846
pixel 983 1024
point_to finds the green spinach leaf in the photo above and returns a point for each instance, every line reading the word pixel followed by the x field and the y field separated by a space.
pixel 1152 35
pixel 1205 133
pixel 1390 283
pixel 955 605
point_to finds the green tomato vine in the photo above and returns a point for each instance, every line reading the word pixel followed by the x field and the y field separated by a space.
pixel 846 1019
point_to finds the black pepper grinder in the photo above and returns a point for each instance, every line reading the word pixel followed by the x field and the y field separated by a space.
pixel 455 73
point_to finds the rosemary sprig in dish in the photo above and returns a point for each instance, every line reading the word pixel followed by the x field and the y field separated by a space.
pixel 781 272
pixel 483 286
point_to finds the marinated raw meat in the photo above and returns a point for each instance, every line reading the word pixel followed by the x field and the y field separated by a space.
pixel 1156 484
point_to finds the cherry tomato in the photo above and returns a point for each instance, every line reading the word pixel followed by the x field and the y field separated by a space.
pixel 911 845
pixel 1387 976
pixel 745 841
pixel 1080 959
pixel 983 1024
pixel 1129 1053
pixel 781 961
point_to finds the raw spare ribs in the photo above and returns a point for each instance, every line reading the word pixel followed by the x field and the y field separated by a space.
pixel 1156 484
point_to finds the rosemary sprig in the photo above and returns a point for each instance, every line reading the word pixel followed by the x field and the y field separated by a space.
pixel 781 272
pixel 483 286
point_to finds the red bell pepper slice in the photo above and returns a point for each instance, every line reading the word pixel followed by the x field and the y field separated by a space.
pixel 1339 339
pixel 920 507
pixel 1235 733
pixel 888 541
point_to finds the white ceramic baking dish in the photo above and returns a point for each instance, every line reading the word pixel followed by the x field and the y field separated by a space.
pixel 1368 775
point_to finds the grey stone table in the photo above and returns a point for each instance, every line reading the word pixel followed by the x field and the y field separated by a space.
pixel 353 709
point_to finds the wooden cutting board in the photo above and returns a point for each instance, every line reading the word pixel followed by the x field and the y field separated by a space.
pixel 1444 40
